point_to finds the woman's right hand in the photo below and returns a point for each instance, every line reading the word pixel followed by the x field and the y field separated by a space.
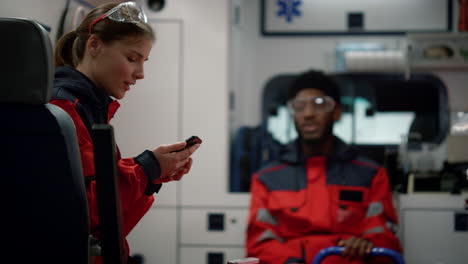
pixel 174 164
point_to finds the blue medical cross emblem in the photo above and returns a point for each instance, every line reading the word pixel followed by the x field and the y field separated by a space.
pixel 289 9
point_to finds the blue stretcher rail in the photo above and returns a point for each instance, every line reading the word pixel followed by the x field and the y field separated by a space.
pixel 375 252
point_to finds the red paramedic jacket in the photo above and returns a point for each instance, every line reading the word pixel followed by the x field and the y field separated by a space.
pixel 300 206
pixel 86 104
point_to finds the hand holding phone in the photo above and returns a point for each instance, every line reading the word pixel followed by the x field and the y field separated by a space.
pixel 190 142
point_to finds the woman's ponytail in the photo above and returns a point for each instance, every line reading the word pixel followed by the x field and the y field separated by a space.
pixel 64 54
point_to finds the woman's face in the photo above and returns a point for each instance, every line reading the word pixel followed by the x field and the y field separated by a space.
pixel 118 65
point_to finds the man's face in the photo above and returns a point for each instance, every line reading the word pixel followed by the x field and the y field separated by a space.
pixel 314 114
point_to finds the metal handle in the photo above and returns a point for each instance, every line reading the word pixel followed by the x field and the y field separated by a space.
pixel 375 252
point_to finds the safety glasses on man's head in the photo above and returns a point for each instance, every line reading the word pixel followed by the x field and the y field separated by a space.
pixel 128 12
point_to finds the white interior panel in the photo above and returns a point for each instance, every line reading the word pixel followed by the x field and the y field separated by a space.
pixel 379 15
pixel 46 12
pixel 430 238
pixel 155 236
pixel 199 255
pixel 194 229
pixel 428 228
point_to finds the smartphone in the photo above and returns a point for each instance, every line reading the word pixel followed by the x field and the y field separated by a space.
pixel 190 142
pixel 244 261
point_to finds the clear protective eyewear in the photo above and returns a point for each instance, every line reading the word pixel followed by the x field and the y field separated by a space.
pixel 322 104
pixel 128 12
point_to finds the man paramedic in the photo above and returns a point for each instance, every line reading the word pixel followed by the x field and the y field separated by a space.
pixel 320 193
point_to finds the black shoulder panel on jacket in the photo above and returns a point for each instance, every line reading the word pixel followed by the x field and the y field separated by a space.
pixel 283 178
pixel 351 173
pixel 367 161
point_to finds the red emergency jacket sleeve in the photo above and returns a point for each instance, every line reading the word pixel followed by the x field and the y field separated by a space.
pixel 264 239
pixel 132 184
pixel 132 179
pixel 381 219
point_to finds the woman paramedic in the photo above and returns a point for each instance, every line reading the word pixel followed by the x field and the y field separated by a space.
pixel 101 59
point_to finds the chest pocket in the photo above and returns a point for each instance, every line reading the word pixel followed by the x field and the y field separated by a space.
pixel 285 207
pixel 348 208
pixel 286 200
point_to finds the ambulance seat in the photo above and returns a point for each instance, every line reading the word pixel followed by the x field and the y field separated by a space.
pixel 44 206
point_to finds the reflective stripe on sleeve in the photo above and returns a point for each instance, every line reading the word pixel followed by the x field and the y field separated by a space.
pixel 379 229
pixel 264 216
pixel 375 208
pixel 269 235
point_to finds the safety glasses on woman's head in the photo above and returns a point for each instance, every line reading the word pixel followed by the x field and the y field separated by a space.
pixel 319 103
pixel 128 12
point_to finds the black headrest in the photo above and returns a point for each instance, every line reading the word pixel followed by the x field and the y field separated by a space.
pixel 275 93
pixel 26 69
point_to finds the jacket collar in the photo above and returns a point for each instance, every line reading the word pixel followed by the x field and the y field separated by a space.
pixel 80 85
pixel 292 153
